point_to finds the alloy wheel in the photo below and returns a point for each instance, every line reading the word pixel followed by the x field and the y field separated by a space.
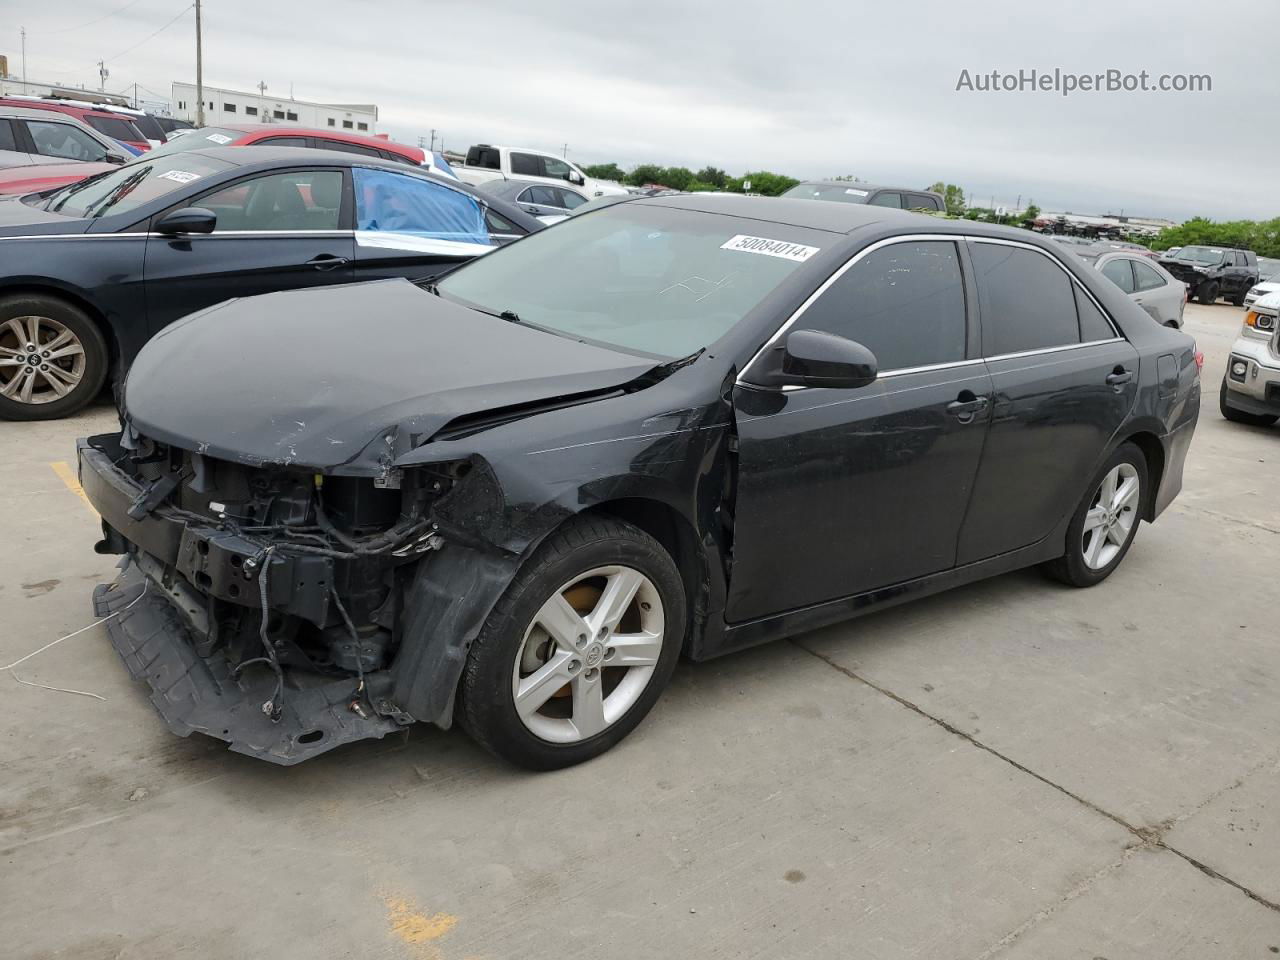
pixel 41 360
pixel 588 654
pixel 1111 517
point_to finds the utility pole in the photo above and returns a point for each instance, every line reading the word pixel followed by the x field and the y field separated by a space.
pixel 433 139
pixel 135 95
pixel 262 103
pixel 103 73
pixel 565 154
pixel 199 71
pixel 24 60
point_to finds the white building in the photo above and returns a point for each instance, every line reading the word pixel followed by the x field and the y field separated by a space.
pixel 223 106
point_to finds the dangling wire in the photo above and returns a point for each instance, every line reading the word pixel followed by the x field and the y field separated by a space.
pixel 274 707
pixel 355 637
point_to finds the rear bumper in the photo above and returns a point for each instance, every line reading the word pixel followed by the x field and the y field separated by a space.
pixel 199 694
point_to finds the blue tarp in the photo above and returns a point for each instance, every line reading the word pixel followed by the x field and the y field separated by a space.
pixel 389 202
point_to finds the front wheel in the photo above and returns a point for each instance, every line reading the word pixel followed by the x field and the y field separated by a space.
pixel 53 359
pixel 1208 292
pixel 578 649
pixel 1106 521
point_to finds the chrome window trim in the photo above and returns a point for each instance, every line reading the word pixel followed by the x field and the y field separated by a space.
pixel 902 371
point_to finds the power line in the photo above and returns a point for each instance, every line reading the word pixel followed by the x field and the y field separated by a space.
pixel 105 16
pixel 184 12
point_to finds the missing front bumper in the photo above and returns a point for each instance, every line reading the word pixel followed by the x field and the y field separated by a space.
pixel 199 694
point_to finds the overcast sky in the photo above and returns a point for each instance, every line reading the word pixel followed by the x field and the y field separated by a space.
pixel 803 88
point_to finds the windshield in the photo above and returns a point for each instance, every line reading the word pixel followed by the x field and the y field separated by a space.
pixel 1199 254
pixel 201 139
pixel 843 192
pixel 652 280
pixel 131 186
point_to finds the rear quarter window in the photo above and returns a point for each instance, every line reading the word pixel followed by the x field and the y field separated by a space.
pixel 116 129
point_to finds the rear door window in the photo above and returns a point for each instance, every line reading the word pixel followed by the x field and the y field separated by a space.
pixel 547 196
pixel 438 217
pixel 904 302
pixel 7 141
pixel 570 200
pixel 1145 277
pixel 887 199
pixel 1093 325
pixel 115 128
pixel 1120 273
pixel 1027 300
pixel 525 165
pixel 555 168
pixel 341 147
pixel 299 200
pixel 920 201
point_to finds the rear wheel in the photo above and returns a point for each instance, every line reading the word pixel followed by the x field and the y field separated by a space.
pixel 53 358
pixel 578 649
pixel 1106 521
pixel 1240 416
pixel 1207 292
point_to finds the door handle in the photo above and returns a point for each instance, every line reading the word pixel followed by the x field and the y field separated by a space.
pixel 326 261
pixel 1118 376
pixel 966 406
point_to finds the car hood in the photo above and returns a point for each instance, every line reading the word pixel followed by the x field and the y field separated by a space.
pixel 18 219
pixel 347 378
pixel 1269 298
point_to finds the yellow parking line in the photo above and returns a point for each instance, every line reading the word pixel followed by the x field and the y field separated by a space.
pixel 68 476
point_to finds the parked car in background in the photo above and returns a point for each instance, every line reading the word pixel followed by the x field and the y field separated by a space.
pixel 1213 272
pixel 1250 391
pixel 172 125
pixel 1145 282
pixel 1268 281
pixel 520 517
pixel 549 202
pixel 40 137
pixel 846 191
pixel 1131 247
pixel 118 127
pixel 275 135
pixel 485 162
pixel 90 272
pixel 19 181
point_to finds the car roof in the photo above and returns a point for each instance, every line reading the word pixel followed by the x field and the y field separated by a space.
pixel 514 185
pixel 32 113
pixel 278 130
pixel 252 155
pixel 859 185
pixel 57 106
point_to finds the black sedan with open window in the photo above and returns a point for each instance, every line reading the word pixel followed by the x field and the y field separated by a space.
pixel 680 425
pixel 88 273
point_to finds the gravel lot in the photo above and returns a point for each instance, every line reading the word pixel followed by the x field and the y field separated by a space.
pixel 1012 769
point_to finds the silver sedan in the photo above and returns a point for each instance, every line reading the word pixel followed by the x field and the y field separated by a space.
pixel 1147 283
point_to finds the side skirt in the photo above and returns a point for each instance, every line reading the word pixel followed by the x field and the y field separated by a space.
pixel 738 636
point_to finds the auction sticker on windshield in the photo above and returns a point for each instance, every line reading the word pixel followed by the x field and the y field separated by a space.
pixel 770 248
pixel 180 176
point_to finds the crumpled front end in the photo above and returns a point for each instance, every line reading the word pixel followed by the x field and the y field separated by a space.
pixel 261 605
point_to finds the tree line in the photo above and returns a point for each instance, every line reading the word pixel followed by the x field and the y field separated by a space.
pixel 682 178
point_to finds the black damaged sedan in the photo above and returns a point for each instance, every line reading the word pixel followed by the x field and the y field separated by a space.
pixel 679 425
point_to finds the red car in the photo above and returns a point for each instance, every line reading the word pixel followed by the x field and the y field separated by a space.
pixel 19 181
pixel 275 135
pixel 117 126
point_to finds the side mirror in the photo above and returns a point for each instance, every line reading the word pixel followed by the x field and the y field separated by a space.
pixel 812 358
pixel 188 220
pixel 576 178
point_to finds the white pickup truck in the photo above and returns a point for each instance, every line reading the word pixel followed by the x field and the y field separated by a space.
pixel 485 162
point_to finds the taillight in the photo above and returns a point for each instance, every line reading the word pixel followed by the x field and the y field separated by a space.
pixel 1199 362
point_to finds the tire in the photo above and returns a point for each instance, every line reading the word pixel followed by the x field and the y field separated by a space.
pixel 1207 293
pixel 1083 565
pixel 62 380
pixel 549 730
pixel 1238 300
pixel 1240 416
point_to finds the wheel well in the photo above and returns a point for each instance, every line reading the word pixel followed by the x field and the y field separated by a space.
pixel 92 312
pixel 1151 449
pixel 665 524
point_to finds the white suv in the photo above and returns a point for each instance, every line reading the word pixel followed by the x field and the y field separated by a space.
pixel 1251 388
